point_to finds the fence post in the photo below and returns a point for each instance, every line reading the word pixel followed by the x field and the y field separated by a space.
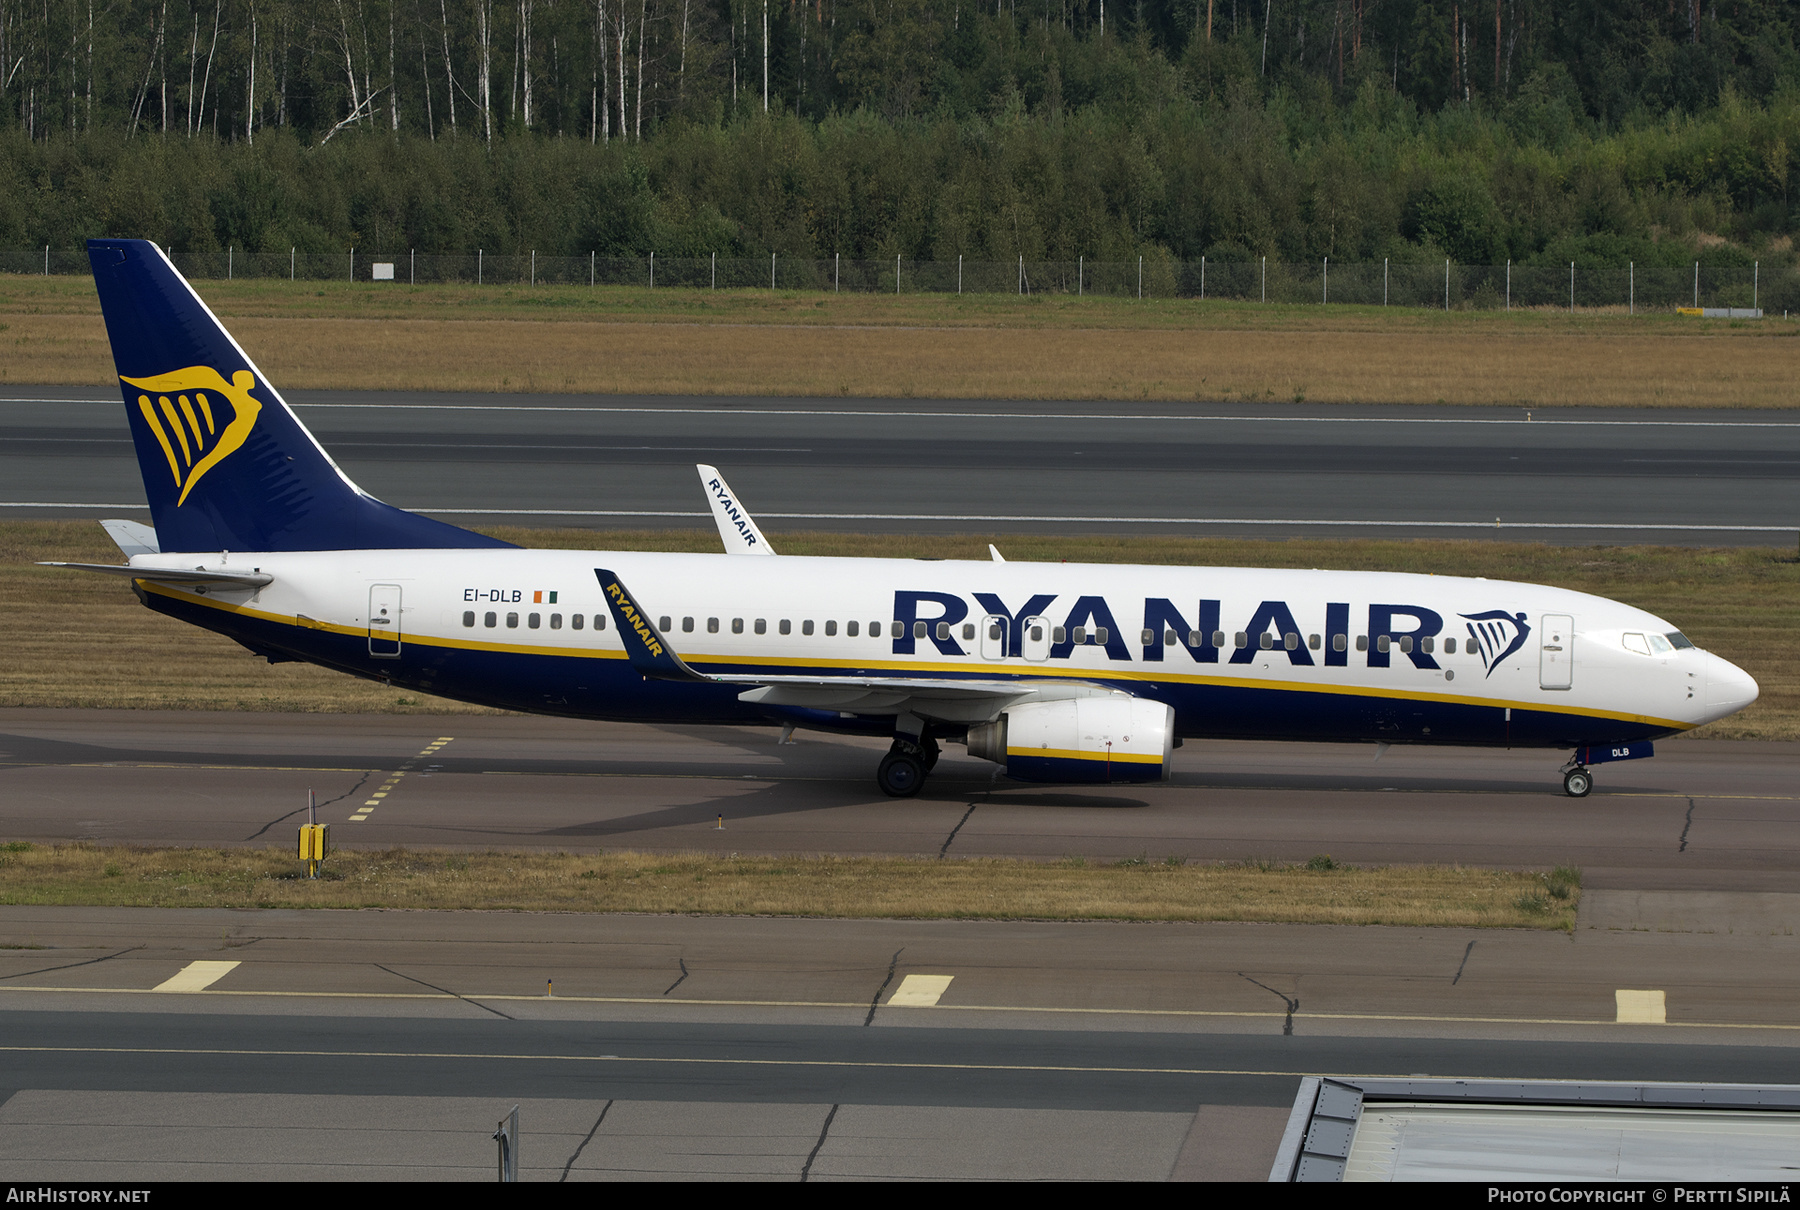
pixel 412 267
pixel 353 264
pixel 46 260
pixel 771 272
pixel 1696 283
pixel 1571 287
pixel 1446 284
pixel 1265 279
pixel 1325 281
pixel 1203 279
pixel 534 268
pixel 1021 273
pixel 593 256
pixel 652 268
pixel 896 273
pixel 1140 279
pixel 837 261
pixel 1080 274
pixel 230 260
pixel 478 254
pixel 1509 284
pixel 1755 281
pixel 290 262
pixel 959 274
pixel 1384 281
pixel 1631 288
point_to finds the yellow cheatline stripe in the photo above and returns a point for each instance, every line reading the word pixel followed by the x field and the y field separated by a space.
pixel 1096 757
pixel 918 669
pixel 862 1006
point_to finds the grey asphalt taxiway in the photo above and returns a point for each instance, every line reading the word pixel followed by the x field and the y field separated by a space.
pixel 1702 815
pixel 168 1044
pixel 911 466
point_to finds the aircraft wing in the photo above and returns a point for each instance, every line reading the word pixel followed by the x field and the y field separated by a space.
pixel 946 699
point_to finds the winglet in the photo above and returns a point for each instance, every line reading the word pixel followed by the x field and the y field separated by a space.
pixel 736 528
pixel 644 647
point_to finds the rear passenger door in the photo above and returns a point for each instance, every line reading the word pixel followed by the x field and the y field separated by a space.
pixel 384 621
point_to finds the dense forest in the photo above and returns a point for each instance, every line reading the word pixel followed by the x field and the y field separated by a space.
pixel 1654 131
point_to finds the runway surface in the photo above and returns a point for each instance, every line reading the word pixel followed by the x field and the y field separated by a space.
pixel 282 1045
pixel 1593 475
pixel 310 1045
pixel 1701 815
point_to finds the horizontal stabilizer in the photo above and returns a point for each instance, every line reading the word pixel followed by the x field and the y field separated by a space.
pixel 172 575
pixel 131 537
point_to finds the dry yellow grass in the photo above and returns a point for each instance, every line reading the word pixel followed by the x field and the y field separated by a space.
pixel 81 640
pixel 566 339
pixel 1440 896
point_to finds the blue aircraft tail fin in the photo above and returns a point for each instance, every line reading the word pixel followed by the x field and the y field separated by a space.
pixel 226 464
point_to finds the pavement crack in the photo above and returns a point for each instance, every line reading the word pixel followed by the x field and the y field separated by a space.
pixel 956 829
pixel 302 810
pixel 67 966
pixel 875 1002
pixel 1462 964
pixel 434 987
pixel 584 1142
pixel 1685 825
pixel 806 1172
pixel 684 975
pixel 1293 1004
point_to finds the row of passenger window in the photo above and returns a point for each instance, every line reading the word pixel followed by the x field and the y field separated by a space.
pixel 1059 634
pixel 1289 642
pixel 534 620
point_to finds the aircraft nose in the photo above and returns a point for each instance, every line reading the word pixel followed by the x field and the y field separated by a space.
pixel 1728 687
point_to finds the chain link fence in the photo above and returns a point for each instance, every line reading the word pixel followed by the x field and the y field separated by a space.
pixel 1442 285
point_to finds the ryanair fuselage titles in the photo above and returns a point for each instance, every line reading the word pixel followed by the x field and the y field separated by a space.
pixel 1057 672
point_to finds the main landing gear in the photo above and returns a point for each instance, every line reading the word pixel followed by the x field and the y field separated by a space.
pixel 902 771
pixel 1577 780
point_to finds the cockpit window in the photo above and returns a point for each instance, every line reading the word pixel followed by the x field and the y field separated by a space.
pixel 1664 646
pixel 1678 640
pixel 1636 642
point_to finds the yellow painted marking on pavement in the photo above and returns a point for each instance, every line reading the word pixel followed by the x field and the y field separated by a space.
pixel 473 997
pixel 196 977
pixel 920 991
pixel 670 1059
pixel 1641 1007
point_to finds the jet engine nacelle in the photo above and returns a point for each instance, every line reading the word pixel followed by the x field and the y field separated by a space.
pixel 1110 738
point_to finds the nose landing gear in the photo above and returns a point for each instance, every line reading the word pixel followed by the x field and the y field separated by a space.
pixel 1577 781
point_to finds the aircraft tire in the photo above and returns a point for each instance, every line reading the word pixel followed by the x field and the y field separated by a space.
pixel 1577 783
pixel 900 775
pixel 931 754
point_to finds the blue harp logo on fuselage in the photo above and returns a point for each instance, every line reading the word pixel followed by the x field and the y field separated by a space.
pixel 197 418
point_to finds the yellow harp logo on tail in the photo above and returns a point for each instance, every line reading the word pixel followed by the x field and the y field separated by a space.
pixel 183 409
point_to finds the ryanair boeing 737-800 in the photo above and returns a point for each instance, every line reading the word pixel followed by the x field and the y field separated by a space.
pixel 1057 672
